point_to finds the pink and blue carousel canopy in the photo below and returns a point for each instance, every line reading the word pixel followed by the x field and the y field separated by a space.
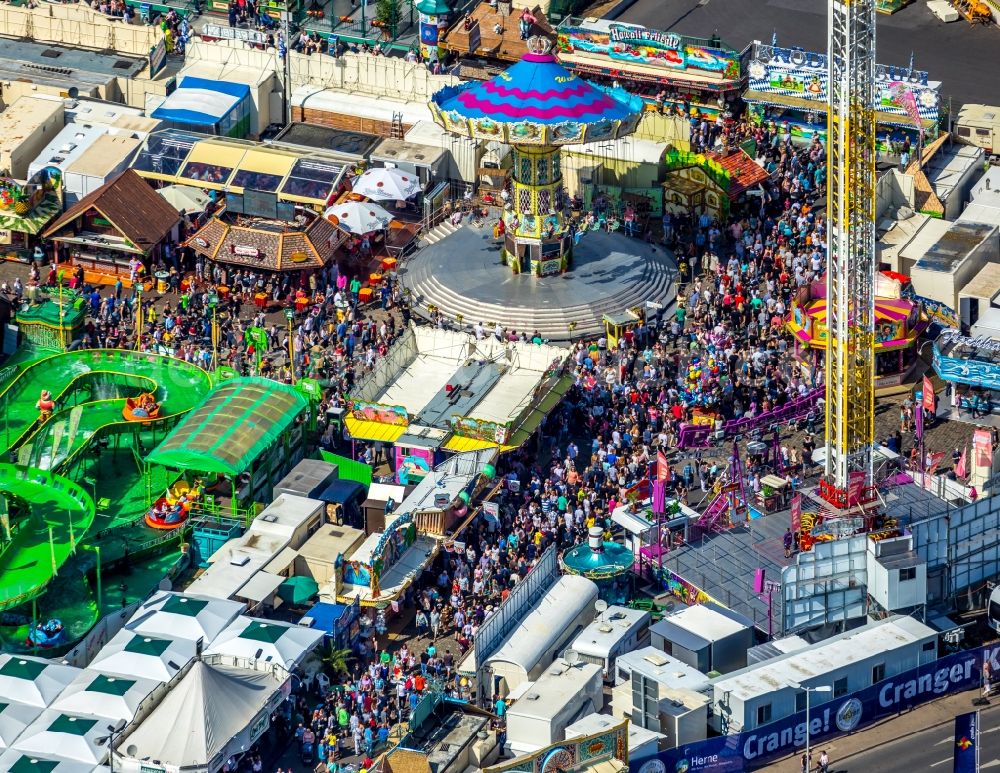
pixel 537 102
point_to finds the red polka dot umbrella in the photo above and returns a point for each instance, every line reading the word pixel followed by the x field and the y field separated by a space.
pixel 358 217
pixel 382 184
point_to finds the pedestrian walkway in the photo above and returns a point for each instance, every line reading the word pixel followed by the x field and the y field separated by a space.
pixel 932 714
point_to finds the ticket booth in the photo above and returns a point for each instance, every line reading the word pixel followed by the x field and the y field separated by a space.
pixel 617 325
pixel 773 494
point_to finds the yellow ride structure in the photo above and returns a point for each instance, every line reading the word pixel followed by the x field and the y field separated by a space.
pixel 851 261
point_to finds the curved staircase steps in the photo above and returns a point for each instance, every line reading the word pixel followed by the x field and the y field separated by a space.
pixel 657 284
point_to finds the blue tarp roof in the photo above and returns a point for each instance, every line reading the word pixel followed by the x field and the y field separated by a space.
pixel 201 101
pixel 325 615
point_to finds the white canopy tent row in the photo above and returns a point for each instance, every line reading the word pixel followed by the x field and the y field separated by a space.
pixel 33 681
pixel 14 718
pixel 13 761
pixel 266 641
pixel 179 616
pixel 130 655
pixel 69 736
pixel 108 697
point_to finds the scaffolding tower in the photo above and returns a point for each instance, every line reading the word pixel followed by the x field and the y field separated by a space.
pixel 851 263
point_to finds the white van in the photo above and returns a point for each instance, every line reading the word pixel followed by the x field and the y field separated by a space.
pixel 616 631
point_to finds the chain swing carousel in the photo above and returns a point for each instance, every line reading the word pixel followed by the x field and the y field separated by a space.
pixel 536 107
pixel 568 270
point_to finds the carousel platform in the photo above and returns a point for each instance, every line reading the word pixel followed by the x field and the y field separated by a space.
pixel 462 274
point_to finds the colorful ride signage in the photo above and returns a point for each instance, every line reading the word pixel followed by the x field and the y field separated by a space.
pixel 792 72
pixel 631 44
pixel 965 360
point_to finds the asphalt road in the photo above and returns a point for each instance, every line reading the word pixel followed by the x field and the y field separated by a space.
pixel 930 750
pixel 959 55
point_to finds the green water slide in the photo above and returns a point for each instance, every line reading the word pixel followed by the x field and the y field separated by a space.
pixel 89 388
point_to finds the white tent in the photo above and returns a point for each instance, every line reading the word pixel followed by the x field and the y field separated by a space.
pixel 65 736
pixel 129 654
pixel 179 616
pixel 105 696
pixel 15 762
pixel 266 640
pixel 34 681
pixel 14 718
pixel 213 712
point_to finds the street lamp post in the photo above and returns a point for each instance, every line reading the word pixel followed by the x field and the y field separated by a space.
pixel 817 688
pixel 213 303
pixel 109 739
pixel 290 316
pixel 100 590
pixel 138 315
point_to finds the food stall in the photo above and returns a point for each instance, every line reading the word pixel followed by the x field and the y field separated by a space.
pixel 109 230
pixel 340 623
pixel 773 494
pixel 648 536
pixel 709 182
pixel 973 366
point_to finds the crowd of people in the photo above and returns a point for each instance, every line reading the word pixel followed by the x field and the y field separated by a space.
pixel 333 339
pixel 722 350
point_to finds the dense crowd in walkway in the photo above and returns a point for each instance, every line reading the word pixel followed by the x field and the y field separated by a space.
pixel 722 349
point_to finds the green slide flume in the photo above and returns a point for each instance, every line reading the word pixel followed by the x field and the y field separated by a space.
pixel 89 389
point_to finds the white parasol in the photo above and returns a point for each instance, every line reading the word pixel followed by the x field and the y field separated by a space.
pixel 358 217
pixel 384 184
pixel 184 198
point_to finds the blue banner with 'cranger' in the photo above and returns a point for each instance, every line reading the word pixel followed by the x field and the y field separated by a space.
pixel 761 746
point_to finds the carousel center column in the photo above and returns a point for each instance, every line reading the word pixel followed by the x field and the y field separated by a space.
pixel 536 231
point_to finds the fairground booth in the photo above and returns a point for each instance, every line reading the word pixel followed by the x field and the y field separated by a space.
pixel 240 440
pixel 898 325
pixel 53 322
pixel 676 73
pixel 439 391
pixel 973 366
pixel 709 182
pixel 106 231
pixel 789 86
pixel 26 208
pixel 389 560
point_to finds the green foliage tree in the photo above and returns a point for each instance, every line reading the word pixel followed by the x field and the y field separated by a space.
pixel 388 13
pixel 338 660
